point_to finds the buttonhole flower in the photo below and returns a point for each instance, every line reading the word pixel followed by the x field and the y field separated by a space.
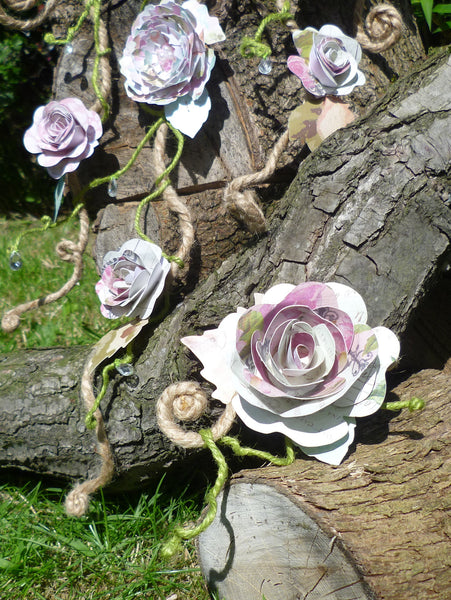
pixel 328 61
pixel 167 61
pixel 302 362
pixel 132 280
pixel 63 133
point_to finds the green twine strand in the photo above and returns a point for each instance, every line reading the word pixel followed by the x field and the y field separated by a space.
pixel 49 38
pixel 412 404
pixel 182 533
pixel 90 420
pixel 239 450
pixel 250 47
pixel 162 181
pixel 46 224
pixel 99 54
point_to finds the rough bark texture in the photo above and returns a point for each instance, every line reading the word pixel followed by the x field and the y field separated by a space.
pixel 377 526
pixel 249 112
pixel 369 208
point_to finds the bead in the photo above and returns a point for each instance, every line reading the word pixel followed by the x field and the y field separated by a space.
pixel 125 370
pixel 15 261
pixel 112 188
pixel 265 66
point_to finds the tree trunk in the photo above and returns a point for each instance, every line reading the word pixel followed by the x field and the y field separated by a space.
pixel 375 527
pixel 369 208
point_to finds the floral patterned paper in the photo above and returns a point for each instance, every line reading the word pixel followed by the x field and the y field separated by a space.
pixel 301 362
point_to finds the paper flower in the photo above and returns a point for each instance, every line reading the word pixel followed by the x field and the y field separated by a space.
pixel 63 133
pixel 301 362
pixel 166 61
pixel 328 61
pixel 132 280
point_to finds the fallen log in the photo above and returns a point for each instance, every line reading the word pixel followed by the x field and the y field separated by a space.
pixel 376 527
pixel 369 208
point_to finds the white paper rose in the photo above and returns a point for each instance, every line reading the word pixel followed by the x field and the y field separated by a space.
pixel 301 362
pixel 328 61
pixel 167 61
pixel 63 134
pixel 132 280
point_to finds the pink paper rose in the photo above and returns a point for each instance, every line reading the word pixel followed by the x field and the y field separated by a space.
pixel 328 61
pixel 167 61
pixel 132 280
pixel 63 134
pixel 301 362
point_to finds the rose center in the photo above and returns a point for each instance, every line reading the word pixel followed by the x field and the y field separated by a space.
pixel 59 123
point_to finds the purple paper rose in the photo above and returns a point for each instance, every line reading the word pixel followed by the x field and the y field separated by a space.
pixel 63 134
pixel 301 362
pixel 328 61
pixel 166 60
pixel 132 280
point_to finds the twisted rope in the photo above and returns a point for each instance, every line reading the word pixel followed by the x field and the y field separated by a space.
pixel 77 501
pixel 67 251
pixel 101 61
pixel 186 401
pixel 241 202
pixel 173 200
pixel 23 5
pixel 383 23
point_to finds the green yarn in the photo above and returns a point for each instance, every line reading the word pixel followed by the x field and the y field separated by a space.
pixel 412 404
pixel 49 38
pixel 182 533
pixel 99 54
pixel 90 420
pixel 239 450
pixel 46 224
pixel 250 47
pixel 186 533
pixel 162 182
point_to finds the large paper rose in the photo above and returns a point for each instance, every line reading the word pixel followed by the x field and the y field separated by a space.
pixel 302 362
pixel 328 61
pixel 166 60
pixel 63 134
pixel 132 280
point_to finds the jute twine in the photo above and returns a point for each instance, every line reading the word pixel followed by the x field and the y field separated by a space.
pixel 67 251
pixel 105 66
pixel 173 200
pixel 383 26
pixel 13 22
pixel 241 201
pixel 77 501
pixel 186 401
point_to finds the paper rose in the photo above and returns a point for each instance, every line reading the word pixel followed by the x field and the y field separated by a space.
pixel 301 362
pixel 166 60
pixel 63 133
pixel 328 61
pixel 132 280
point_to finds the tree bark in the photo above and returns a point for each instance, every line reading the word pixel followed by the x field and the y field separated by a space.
pixel 375 527
pixel 369 208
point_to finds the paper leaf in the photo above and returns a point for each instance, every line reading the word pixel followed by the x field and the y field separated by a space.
pixel 188 115
pixel 113 341
pixel 249 323
pixel 314 121
pixel 58 196
pixel 302 123
pixel 334 115
pixel 303 40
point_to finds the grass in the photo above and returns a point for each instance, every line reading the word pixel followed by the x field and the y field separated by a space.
pixel 73 320
pixel 111 554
